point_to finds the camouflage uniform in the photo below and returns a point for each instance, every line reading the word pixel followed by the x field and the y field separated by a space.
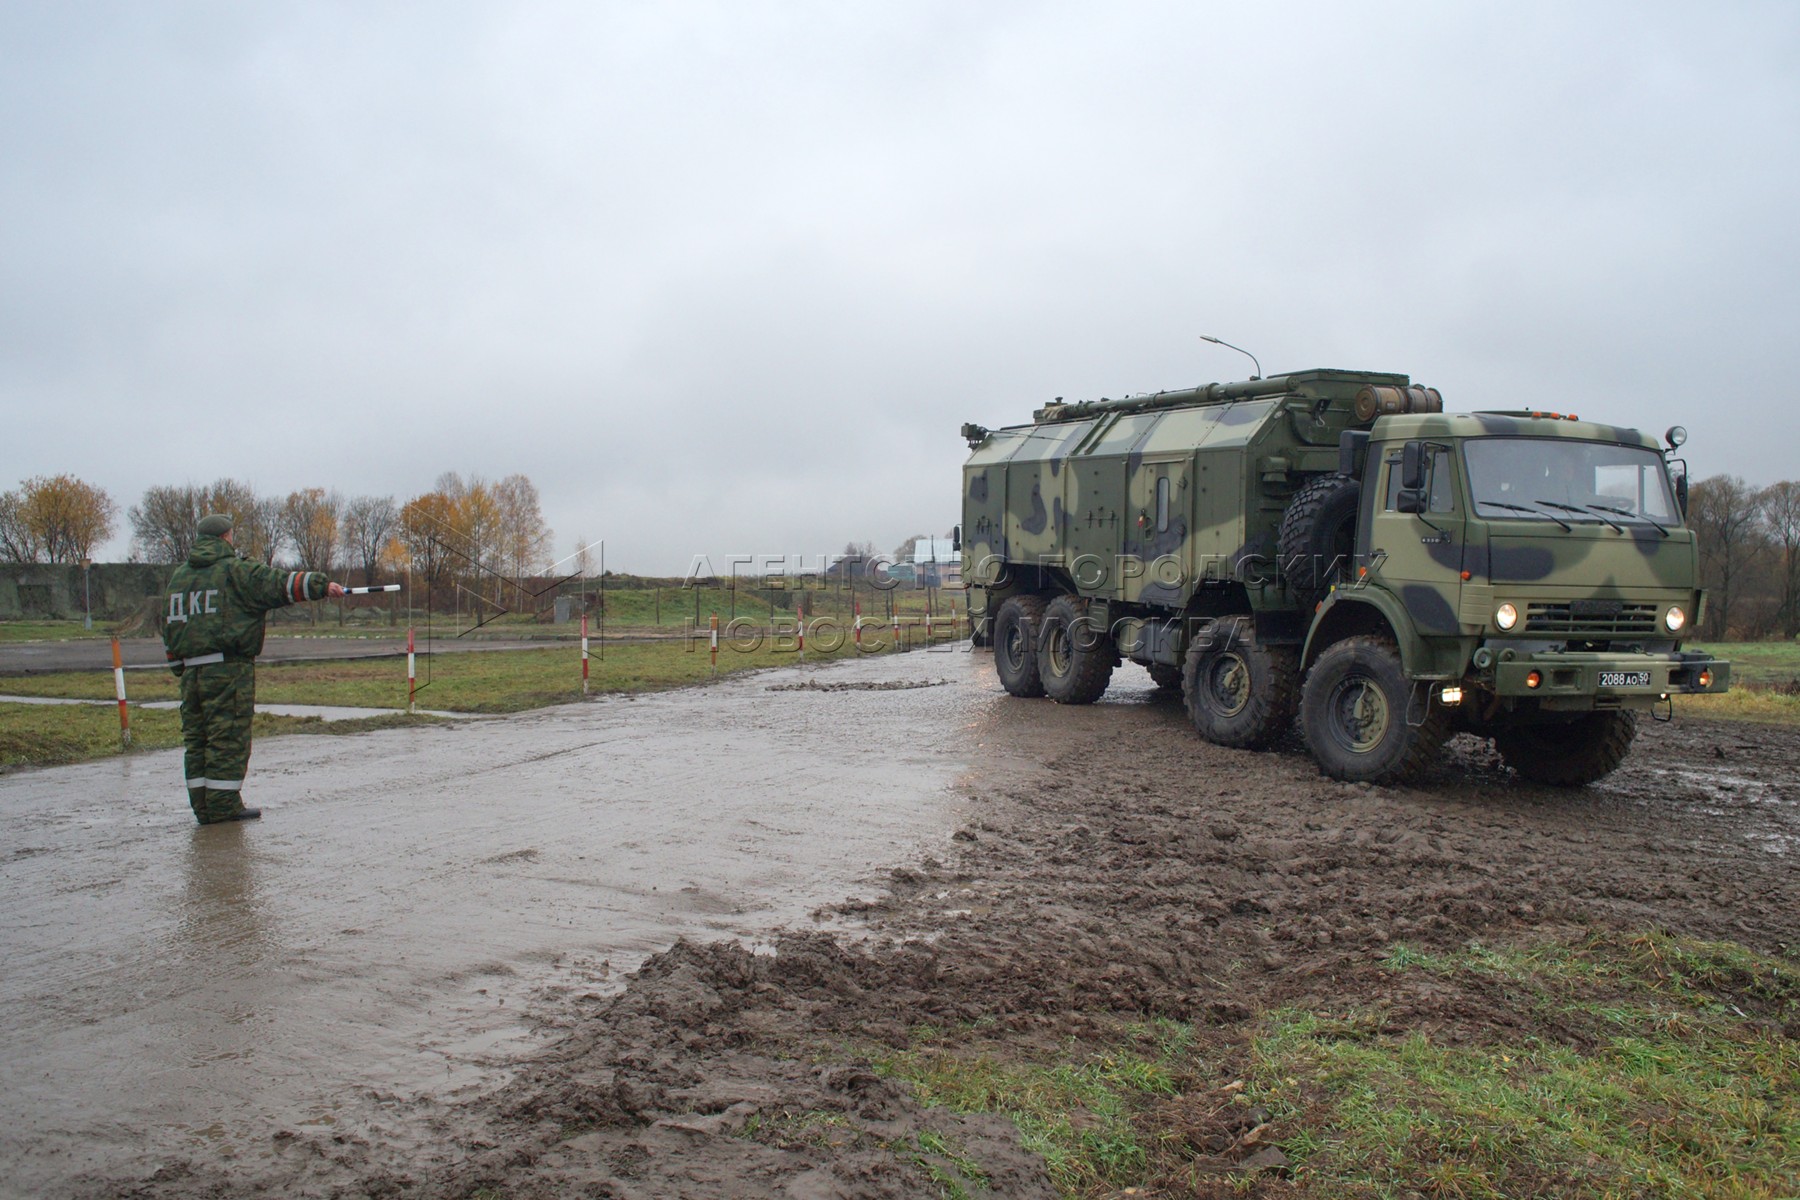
pixel 213 631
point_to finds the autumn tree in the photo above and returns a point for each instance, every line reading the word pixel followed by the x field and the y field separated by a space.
pixel 17 541
pixel 524 539
pixel 424 523
pixel 55 518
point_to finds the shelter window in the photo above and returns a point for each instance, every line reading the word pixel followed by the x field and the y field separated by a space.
pixel 1162 503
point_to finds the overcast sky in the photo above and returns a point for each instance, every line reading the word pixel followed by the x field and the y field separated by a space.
pixel 726 278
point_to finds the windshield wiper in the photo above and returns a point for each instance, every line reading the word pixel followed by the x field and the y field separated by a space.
pixel 1553 516
pixel 1626 512
pixel 1530 512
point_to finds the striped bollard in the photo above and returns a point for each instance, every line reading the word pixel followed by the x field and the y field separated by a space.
pixel 800 635
pixel 119 690
pixel 412 674
pixel 856 625
pixel 584 654
pixel 896 616
pixel 715 643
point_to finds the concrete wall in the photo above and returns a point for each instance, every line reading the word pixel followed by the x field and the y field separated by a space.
pixel 38 591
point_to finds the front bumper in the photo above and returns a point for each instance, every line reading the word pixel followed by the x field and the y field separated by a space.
pixel 1574 679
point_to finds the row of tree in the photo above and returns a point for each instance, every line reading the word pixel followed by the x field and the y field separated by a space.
pixel 1749 540
pixel 464 533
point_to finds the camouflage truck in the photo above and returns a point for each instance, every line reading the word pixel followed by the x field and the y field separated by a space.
pixel 1331 544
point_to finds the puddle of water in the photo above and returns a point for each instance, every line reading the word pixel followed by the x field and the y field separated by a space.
pixel 384 930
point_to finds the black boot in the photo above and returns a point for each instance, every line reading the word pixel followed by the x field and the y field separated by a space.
pixel 244 814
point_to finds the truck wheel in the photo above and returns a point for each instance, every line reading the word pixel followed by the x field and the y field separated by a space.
pixel 1318 533
pixel 1354 709
pixel 1166 677
pixel 1015 645
pixel 1571 754
pixel 1075 659
pixel 1239 692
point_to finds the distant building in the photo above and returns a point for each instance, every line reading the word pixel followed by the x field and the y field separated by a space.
pixel 936 563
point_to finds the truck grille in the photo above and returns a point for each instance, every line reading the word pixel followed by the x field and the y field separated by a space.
pixel 1614 617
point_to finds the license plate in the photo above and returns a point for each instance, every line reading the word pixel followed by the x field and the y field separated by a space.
pixel 1624 679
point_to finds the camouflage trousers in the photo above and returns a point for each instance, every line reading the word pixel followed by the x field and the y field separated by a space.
pixel 217 702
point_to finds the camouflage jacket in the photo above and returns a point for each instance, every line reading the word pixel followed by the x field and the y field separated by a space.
pixel 217 601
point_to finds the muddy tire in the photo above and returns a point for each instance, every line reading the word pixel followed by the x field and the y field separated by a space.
pixel 1015 645
pixel 1571 754
pixel 1318 534
pixel 1354 709
pixel 1239 692
pixel 1075 659
pixel 1166 677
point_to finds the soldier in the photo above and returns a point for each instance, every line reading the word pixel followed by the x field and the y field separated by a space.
pixel 213 631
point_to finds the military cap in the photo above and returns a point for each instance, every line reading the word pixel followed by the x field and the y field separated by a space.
pixel 215 525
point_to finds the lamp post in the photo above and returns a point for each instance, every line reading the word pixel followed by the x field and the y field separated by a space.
pixel 87 601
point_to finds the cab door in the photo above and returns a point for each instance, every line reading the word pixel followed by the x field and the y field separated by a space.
pixel 1416 533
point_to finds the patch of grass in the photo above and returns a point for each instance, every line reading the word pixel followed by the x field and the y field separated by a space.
pixel 1757 662
pixel 1079 1115
pixel 1684 1083
pixel 50 631
pixel 1758 703
pixel 477 681
pixel 48 735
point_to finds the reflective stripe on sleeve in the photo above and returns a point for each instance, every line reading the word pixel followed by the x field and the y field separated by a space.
pixel 295 587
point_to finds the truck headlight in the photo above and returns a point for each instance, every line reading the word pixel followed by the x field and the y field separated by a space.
pixel 1675 619
pixel 1506 616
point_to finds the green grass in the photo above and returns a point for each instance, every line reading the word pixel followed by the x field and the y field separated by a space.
pixel 1672 1077
pixel 50 631
pixel 43 735
pixel 476 682
pixel 1079 1114
pixel 1756 662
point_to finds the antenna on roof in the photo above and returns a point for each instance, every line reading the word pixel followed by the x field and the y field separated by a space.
pixel 1207 337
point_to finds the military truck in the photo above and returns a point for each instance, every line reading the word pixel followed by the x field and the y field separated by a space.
pixel 1333 545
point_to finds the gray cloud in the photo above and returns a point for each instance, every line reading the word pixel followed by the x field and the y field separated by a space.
pixel 727 278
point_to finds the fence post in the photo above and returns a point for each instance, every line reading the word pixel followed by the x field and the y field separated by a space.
pixel 119 689
pixel 584 653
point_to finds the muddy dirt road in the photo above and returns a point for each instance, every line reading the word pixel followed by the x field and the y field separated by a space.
pixel 1093 864
pixel 174 991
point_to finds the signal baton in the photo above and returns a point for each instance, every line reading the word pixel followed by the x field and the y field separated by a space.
pixel 363 591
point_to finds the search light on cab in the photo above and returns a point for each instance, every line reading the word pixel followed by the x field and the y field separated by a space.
pixel 1676 436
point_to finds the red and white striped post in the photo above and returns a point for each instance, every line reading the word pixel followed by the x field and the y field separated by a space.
pixel 800 630
pixel 584 653
pixel 856 625
pixel 412 674
pixel 715 643
pixel 119 690
pixel 895 613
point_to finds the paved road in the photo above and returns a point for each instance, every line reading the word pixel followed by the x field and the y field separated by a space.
pixel 93 654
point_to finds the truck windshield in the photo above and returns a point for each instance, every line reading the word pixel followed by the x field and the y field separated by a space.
pixel 1552 479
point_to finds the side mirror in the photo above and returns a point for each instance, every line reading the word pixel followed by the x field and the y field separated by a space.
pixel 1410 500
pixel 956 538
pixel 1353 452
pixel 1681 493
pixel 1412 468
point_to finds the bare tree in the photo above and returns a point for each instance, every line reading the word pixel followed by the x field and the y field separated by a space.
pixel 1780 503
pixel 309 522
pixel 18 543
pixel 162 523
pixel 368 526
pixel 1723 513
